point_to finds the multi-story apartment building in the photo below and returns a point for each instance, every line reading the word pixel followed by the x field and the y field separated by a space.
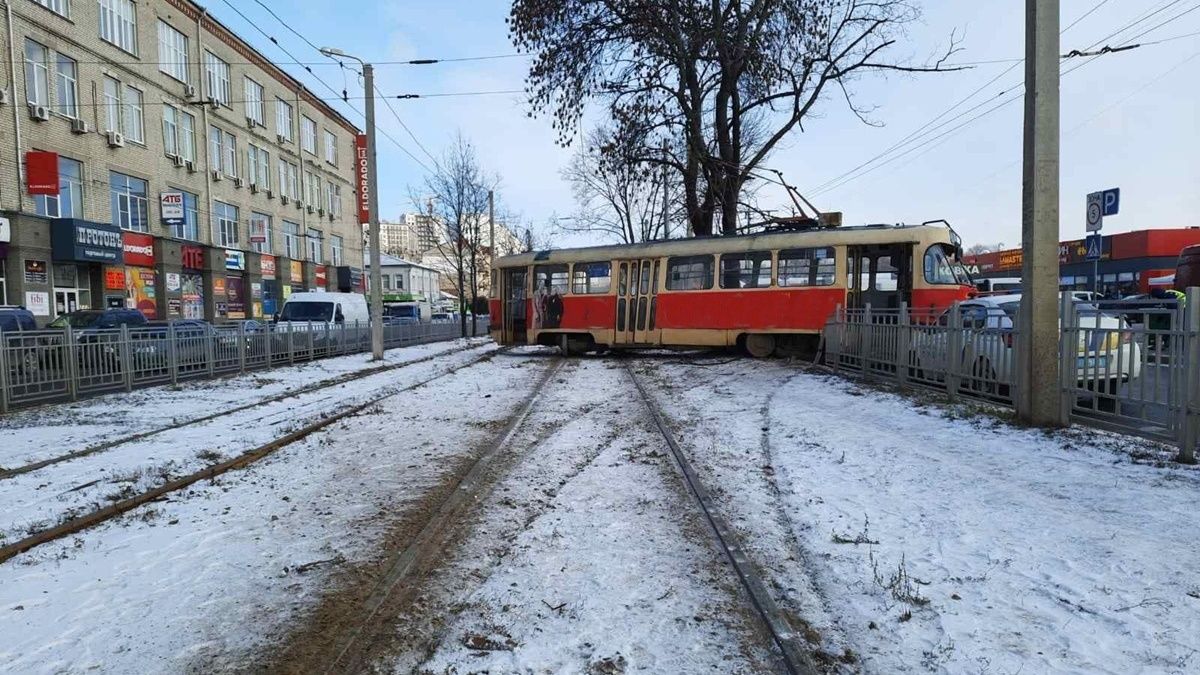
pixel 150 157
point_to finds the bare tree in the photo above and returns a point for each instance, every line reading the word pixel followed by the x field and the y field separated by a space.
pixel 456 197
pixel 722 81
pixel 977 249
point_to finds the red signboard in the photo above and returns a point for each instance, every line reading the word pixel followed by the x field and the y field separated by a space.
pixel 114 279
pixel 320 274
pixel 267 263
pixel 41 173
pixel 192 257
pixel 364 184
pixel 139 249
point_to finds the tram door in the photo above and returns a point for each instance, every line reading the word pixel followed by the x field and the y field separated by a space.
pixel 514 306
pixel 879 275
pixel 637 302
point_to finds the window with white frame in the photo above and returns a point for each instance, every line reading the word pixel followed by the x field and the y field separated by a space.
pixel 314 245
pixel 112 104
pixel 283 119
pixel 330 147
pixel 68 203
pixel 187 136
pixel 172 52
pixel 312 189
pixel 66 75
pixel 118 24
pixel 222 148
pixel 333 197
pixel 131 101
pixel 288 179
pixel 308 134
pixel 60 7
pixel 130 208
pixel 291 240
pixel 260 232
pixel 335 250
pixel 37 73
pixel 170 130
pixel 189 229
pixel 258 166
pixel 225 217
pixel 254 102
pixel 216 78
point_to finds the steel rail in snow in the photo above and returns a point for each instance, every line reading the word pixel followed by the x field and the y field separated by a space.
pixel 796 659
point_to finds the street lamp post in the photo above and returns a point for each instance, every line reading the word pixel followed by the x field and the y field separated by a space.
pixel 368 73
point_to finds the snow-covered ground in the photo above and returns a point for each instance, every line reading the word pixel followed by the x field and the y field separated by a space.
pixel 981 547
pixel 199 582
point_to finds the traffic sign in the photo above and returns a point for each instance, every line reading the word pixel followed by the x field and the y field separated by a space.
pixel 1112 201
pixel 1095 211
pixel 1095 246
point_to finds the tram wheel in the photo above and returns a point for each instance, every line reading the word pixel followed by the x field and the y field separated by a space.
pixel 760 346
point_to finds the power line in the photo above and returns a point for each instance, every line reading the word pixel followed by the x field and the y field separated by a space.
pixel 387 102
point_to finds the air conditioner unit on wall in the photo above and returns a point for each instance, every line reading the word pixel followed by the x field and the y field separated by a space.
pixel 3 97
pixel 283 199
pixel 254 188
pixel 116 139
pixel 39 112
pixel 238 182
pixel 270 194
pixel 179 160
pixel 79 126
pixel 280 138
pixel 189 91
pixel 310 208
pixel 191 166
pixel 217 175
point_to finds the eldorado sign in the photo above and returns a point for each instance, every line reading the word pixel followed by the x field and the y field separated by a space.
pixel 364 184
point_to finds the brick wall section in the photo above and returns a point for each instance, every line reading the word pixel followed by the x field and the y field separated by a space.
pixel 79 38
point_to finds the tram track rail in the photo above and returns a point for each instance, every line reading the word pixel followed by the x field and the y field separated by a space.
pixel 795 657
pixel 245 459
pixel 7 473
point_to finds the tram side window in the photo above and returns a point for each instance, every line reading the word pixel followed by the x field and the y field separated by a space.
pixel 550 279
pixel 746 270
pixel 591 278
pixel 938 268
pixel 690 273
pixel 807 267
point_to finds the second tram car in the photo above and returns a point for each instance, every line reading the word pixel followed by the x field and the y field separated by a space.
pixel 763 291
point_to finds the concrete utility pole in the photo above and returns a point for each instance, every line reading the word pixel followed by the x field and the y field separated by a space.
pixel 493 278
pixel 1039 397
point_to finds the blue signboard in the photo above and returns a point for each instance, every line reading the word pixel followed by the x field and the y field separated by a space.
pixel 75 240
pixel 1095 246
pixel 1112 201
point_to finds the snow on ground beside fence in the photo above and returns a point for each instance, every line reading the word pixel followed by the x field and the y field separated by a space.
pixel 940 538
pixel 200 582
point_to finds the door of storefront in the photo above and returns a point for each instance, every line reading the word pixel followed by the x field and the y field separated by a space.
pixel 72 288
pixel 66 301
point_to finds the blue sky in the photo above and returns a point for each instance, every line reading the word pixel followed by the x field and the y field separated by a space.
pixel 1129 120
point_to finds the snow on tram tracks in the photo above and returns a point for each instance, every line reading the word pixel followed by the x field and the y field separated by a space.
pixel 82 488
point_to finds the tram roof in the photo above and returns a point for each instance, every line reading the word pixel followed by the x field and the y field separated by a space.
pixel 858 234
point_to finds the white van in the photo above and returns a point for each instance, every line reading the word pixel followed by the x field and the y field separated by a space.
pixel 319 309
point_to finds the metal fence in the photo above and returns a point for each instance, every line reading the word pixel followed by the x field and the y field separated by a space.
pixel 1126 366
pixel 65 365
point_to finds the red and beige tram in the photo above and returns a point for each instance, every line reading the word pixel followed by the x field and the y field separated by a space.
pixel 760 291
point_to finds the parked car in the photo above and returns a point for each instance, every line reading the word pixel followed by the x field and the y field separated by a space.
pixel 191 338
pixel 301 310
pixel 95 332
pixel 21 351
pixel 14 319
pixel 1106 354
pixel 441 317
pixel 99 319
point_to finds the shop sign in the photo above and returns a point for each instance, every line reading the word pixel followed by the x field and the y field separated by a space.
pixel 174 283
pixel 138 249
pixel 41 173
pixel 320 275
pixel 85 241
pixel 219 286
pixel 236 308
pixel 362 164
pixel 297 272
pixel 255 291
pixel 267 263
pixel 349 279
pixel 35 272
pixel 1010 259
pixel 140 291
pixel 38 302
pixel 192 257
pixel 174 307
pixel 235 260
pixel 170 207
pixel 114 278
pixel 5 231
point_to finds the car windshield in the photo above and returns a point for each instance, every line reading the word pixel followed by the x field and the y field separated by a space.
pixel 76 320
pixel 307 311
pixel 408 311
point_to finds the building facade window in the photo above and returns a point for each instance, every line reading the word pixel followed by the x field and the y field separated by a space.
pixel 129 203
pixel 260 232
pixel 60 7
pixel 308 135
pixel 131 101
pixel 254 102
pixel 314 245
pixel 112 104
pixel 216 78
pixel 68 203
pixel 118 24
pixel 190 227
pixel 66 75
pixel 222 148
pixel 179 133
pixel 333 196
pixel 330 147
pixel 312 189
pixel 258 166
pixel 172 52
pixel 336 255
pixel 283 119
pixel 291 240
pixel 37 73
pixel 226 221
